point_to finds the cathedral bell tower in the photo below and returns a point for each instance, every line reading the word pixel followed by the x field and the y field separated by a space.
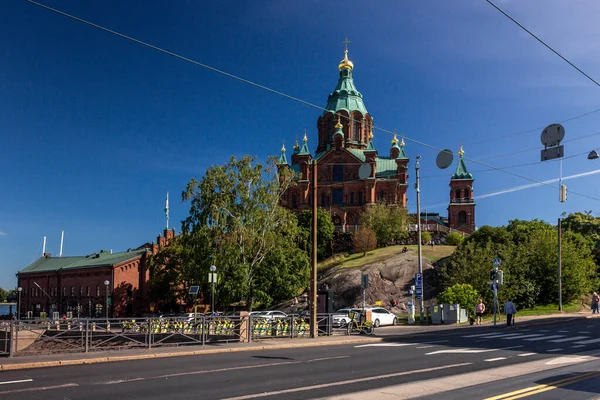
pixel 461 210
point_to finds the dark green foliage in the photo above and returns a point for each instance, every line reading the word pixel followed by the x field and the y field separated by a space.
pixel 425 237
pixel 390 223
pixel 325 229
pixel 454 238
pixel 529 254
pixel 3 295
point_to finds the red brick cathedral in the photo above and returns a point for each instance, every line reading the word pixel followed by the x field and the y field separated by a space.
pixel 351 174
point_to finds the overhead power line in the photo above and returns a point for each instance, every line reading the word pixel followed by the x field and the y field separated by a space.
pixel 213 69
pixel 542 42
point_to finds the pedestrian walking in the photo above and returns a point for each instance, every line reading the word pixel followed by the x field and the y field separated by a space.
pixel 479 310
pixel 510 311
pixel 595 303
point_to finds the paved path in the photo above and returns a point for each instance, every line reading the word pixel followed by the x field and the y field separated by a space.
pixel 436 363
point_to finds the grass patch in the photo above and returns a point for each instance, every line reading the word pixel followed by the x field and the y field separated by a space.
pixel 378 255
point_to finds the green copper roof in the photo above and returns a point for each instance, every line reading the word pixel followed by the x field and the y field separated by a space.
pixel 358 154
pixel 371 146
pixel 461 170
pixel 102 259
pixel 304 150
pixel 282 158
pixel 386 167
pixel 345 96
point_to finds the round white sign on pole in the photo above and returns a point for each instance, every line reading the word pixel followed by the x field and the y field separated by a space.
pixel 364 171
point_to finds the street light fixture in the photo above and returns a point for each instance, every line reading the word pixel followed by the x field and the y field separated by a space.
pixel 593 155
pixel 19 289
pixel 106 283
pixel 212 279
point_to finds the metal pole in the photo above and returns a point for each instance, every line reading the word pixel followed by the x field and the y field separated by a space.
pixel 212 296
pixel 495 304
pixel 313 271
pixel 20 289
pixel 106 301
pixel 420 255
pixel 364 298
pixel 560 306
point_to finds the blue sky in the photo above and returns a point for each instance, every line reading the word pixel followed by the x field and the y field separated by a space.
pixel 95 129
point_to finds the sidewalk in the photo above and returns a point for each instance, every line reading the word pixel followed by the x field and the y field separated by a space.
pixel 382 334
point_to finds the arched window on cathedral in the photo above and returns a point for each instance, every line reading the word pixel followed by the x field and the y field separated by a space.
pixel 467 194
pixel 462 217
pixel 382 196
pixel 457 194
pixel 356 130
pixel 294 202
pixel 351 198
pixel 323 199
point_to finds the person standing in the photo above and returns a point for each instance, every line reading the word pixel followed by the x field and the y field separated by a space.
pixel 595 303
pixel 510 311
pixel 479 310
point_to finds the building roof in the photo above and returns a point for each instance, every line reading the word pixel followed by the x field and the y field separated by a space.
pixel 102 259
pixel 461 168
pixel 345 96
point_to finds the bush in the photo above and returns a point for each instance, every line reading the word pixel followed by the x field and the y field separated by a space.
pixel 454 238
pixel 425 237
pixel 462 294
pixel 364 240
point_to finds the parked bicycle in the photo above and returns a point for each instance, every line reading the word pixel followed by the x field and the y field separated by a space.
pixel 362 326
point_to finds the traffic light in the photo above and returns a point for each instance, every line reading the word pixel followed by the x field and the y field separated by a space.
pixel 563 193
pixel 493 275
pixel 500 277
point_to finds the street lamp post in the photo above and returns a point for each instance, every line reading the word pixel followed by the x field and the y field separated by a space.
pixel 213 268
pixel 19 289
pixel 106 283
pixel 419 248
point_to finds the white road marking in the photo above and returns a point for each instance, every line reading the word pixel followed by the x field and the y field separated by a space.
pixel 385 345
pixel 562 331
pixel 502 335
pixel 569 339
pixel 568 360
pixel 342 383
pixel 588 332
pixel 544 330
pixel 578 345
pixel 423 347
pixel 481 335
pixel 524 330
pixel 469 351
pixel 553 350
pixel 66 385
pixel 521 336
pixel 495 359
pixel 544 338
pixel 526 354
pixel 20 381
pixel 588 341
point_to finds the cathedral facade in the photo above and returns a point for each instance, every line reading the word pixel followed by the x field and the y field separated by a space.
pixel 351 173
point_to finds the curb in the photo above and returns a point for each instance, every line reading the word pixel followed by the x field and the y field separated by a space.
pixel 97 360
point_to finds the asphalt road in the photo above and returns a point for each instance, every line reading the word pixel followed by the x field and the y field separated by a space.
pixel 324 371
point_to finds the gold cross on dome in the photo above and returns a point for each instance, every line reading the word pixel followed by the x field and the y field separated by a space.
pixel 346 41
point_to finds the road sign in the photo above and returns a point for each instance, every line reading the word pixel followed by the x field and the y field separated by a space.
pixel 494 287
pixel 418 281
pixel 365 281
pixel 496 262
pixel 552 152
pixel 410 304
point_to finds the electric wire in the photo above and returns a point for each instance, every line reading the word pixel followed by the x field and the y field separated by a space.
pixel 230 75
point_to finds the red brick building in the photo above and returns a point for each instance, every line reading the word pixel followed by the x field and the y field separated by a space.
pixel 351 173
pixel 78 284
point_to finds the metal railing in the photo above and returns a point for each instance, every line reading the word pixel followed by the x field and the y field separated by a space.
pixel 45 336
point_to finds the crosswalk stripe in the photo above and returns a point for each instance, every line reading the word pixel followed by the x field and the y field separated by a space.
pixel 588 332
pixel 553 350
pixel 521 336
pixel 500 335
pixel 562 331
pixel 590 341
pixel 495 359
pixel 569 339
pixel 544 330
pixel 481 335
pixel 578 345
pixel 526 354
pixel 544 338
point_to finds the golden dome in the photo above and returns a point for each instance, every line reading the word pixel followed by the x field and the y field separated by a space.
pixel 461 152
pixel 305 138
pixel 339 123
pixel 296 146
pixel 345 63
pixel 394 140
pixel 402 142
pixel 283 148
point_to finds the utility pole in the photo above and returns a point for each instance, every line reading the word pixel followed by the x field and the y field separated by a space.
pixel 313 271
pixel 420 255
pixel 560 307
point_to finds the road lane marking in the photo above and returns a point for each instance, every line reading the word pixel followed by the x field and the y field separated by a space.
pixel 469 351
pixel 502 335
pixel 590 341
pixel 526 354
pixel 542 388
pixel 569 339
pixel 495 359
pixel 384 345
pixel 553 350
pixel 424 347
pixel 524 330
pixel 342 383
pixel 544 338
pixel 544 330
pixel 522 336
pixel 578 345
pixel 562 331
pixel 19 381
pixel 588 332
pixel 481 335
pixel 32 389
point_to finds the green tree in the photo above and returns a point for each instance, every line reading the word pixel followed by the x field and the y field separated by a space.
pixel 425 237
pixel 3 295
pixel 325 229
pixel 390 223
pixel 454 238
pixel 235 223
pixel 462 294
